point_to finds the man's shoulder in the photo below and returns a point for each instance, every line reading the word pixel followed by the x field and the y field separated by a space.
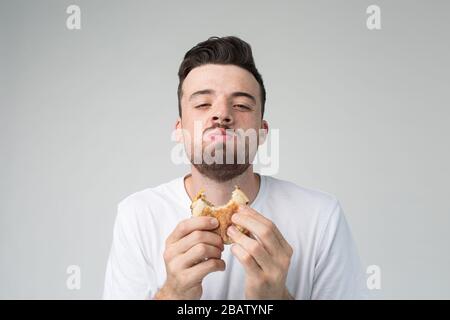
pixel 303 213
pixel 291 191
pixel 302 203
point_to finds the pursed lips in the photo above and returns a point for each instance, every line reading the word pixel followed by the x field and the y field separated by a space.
pixel 219 134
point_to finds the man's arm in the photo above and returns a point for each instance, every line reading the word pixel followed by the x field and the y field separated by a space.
pixel 128 273
pixel 338 273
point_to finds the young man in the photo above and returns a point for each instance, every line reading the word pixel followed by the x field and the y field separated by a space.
pixel 299 245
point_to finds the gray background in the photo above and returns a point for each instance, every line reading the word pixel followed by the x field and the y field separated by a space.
pixel 86 117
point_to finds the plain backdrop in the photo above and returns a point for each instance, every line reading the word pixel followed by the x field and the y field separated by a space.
pixel 86 117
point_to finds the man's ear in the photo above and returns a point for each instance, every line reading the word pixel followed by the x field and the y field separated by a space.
pixel 263 132
pixel 178 131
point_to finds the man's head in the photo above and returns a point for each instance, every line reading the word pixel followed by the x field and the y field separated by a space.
pixel 220 88
pixel 222 51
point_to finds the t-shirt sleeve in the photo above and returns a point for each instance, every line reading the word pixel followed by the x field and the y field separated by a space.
pixel 338 271
pixel 129 273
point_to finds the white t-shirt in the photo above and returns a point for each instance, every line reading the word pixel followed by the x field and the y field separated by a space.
pixel 324 265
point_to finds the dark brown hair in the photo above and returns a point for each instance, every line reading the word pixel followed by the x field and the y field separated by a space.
pixel 224 50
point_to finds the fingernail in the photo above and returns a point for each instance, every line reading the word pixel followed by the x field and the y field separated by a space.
pixel 231 230
pixel 214 222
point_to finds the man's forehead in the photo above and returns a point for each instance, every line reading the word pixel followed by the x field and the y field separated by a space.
pixel 221 79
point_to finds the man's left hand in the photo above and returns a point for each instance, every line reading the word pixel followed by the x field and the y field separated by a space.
pixel 266 255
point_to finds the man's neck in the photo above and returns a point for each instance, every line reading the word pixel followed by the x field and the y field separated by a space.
pixel 220 192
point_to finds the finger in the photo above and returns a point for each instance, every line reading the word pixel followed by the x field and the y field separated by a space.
pixel 199 253
pixel 250 265
pixel 264 234
pixel 252 247
pixel 189 225
pixel 256 215
pixel 202 269
pixel 195 237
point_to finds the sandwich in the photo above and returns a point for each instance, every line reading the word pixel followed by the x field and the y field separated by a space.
pixel 200 206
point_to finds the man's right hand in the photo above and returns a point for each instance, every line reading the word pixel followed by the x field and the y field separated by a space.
pixel 192 251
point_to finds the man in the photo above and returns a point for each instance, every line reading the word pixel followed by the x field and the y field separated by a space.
pixel 299 245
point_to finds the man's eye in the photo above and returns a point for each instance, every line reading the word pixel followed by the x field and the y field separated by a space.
pixel 202 105
pixel 241 106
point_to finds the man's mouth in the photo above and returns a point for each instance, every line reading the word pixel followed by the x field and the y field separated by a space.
pixel 219 134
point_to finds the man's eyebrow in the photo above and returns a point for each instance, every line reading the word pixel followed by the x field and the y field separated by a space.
pixel 200 92
pixel 234 94
pixel 243 94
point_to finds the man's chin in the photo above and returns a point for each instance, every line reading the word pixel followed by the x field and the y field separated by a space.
pixel 221 172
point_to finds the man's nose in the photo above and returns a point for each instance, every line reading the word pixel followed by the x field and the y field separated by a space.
pixel 222 114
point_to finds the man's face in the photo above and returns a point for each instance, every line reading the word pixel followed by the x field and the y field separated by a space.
pixel 216 101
